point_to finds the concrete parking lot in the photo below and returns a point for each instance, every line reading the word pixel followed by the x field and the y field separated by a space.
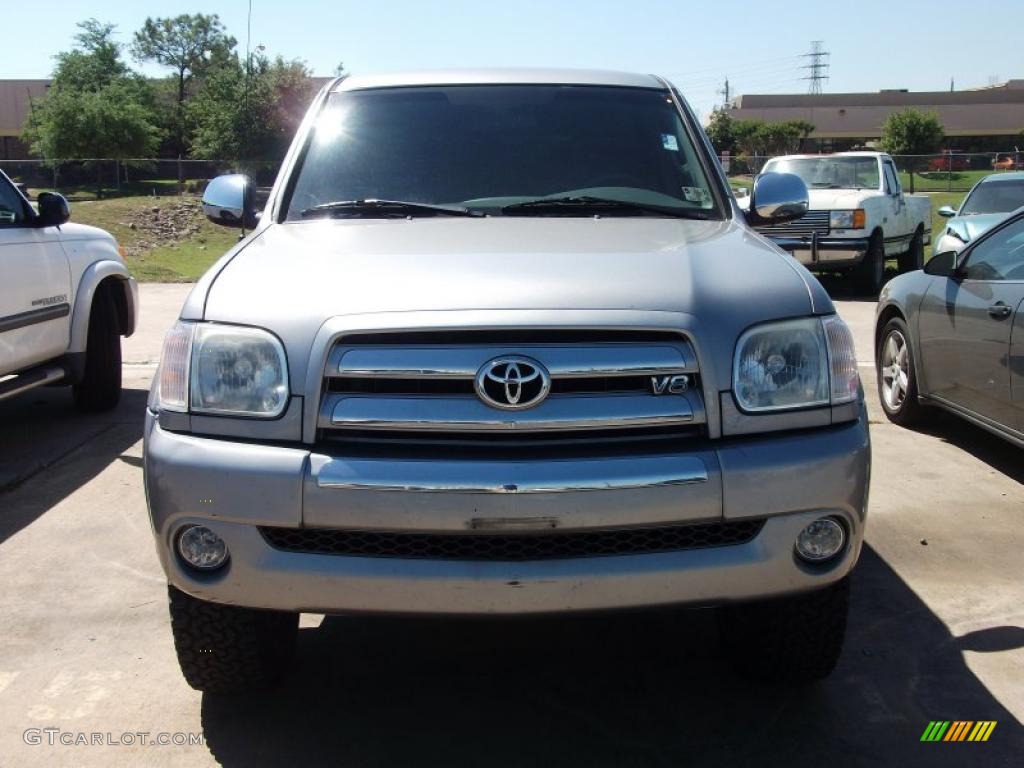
pixel 936 630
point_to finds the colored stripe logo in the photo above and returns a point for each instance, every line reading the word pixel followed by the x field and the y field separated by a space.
pixel 958 730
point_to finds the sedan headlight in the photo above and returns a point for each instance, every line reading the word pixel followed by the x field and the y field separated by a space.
pixel 223 369
pixel 795 364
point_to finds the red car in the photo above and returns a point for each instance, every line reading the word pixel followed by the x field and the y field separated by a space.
pixel 950 160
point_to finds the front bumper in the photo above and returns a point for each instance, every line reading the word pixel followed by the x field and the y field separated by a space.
pixel 788 479
pixel 825 251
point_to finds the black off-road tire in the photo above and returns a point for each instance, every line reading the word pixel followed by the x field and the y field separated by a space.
pixel 914 257
pixel 790 640
pixel 869 275
pixel 100 386
pixel 909 411
pixel 227 649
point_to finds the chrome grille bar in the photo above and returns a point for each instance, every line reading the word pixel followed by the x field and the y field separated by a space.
pixel 462 362
pixel 810 223
pixel 468 414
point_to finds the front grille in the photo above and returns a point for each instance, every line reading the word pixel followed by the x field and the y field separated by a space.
pixel 423 383
pixel 812 222
pixel 512 547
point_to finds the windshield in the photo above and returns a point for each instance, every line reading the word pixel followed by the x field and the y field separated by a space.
pixel 830 172
pixel 490 147
pixel 994 197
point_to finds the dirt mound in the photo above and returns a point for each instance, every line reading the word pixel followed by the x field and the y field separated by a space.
pixel 163 224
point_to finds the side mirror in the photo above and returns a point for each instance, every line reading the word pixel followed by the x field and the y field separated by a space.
pixel 230 201
pixel 777 198
pixel 946 211
pixel 53 209
pixel 943 264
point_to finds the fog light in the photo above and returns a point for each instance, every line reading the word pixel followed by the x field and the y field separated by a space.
pixel 202 548
pixel 821 540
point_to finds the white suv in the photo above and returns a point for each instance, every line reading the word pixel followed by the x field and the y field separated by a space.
pixel 66 298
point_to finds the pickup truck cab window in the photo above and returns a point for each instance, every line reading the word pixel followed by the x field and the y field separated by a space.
pixel 12 207
pixel 486 148
pixel 892 184
pixel 830 172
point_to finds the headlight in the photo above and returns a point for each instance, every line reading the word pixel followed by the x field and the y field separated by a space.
pixel 223 369
pixel 795 364
pixel 855 219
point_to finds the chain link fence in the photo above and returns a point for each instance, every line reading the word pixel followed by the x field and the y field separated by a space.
pixel 93 178
pixel 944 172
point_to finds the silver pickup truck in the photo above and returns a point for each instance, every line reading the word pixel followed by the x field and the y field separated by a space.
pixel 502 343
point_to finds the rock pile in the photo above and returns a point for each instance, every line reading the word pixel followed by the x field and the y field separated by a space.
pixel 163 224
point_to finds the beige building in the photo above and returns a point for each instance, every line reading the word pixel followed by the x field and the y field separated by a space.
pixel 982 119
pixel 16 97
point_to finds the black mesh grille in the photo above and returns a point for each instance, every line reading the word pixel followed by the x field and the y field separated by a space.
pixel 512 547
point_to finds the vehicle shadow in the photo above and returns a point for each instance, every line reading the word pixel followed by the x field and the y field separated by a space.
pixel 627 689
pixel 43 427
pixel 843 288
pixel 998 453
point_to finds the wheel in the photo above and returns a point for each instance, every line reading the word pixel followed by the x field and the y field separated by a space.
pixel 870 273
pixel 897 380
pixel 100 386
pixel 224 648
pixel 792 640
pixel 914 257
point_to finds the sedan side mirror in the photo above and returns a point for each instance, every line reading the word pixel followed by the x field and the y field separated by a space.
pixel 946 211
pixel 53 209
pixel 777 198
pixel 943 264
pixel 230 201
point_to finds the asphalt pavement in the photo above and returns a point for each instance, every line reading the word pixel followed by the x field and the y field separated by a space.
pixel 936 630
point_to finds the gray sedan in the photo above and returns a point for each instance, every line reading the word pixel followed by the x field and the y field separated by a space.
pixel 952 335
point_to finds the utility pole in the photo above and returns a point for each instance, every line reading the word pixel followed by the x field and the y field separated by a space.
pixel 817 68
pixel 724 92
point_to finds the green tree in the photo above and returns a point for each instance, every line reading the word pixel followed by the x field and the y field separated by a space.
pixel 96 106
pixel 190 45
pixel 912 132
pixel 249 113
pixel 720 131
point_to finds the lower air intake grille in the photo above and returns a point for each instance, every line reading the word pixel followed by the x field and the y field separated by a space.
pixel 512 547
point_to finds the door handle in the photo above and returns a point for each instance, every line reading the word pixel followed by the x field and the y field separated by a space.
pixel 999 310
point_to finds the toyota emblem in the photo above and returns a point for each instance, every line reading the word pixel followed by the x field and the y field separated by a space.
pixel 512 383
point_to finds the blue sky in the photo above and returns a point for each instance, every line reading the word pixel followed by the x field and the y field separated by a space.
pixel 894 44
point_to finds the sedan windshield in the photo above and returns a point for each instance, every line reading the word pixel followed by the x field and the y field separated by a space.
pixel 830 172
pixel 611 151
pixel 1001 196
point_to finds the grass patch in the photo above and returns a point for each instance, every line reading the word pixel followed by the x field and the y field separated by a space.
pixel 152 255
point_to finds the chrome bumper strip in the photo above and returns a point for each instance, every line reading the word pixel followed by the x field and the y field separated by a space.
pixel 488 477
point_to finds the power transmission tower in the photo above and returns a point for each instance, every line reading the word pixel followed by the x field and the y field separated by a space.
pixel 817 68
pixel 724 92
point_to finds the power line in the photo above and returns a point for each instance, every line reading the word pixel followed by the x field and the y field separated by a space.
pixel 817 68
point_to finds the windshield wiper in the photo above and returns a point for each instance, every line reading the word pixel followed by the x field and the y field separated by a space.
pixel 387 207
pixel 601 204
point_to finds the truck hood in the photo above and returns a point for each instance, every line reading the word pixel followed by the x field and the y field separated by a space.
pixel 292 277
pixel 837 199
pixel 970 227
pixel 70 231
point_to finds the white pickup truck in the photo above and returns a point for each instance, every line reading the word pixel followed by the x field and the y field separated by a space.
pixel 66 298
pixel 858 216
